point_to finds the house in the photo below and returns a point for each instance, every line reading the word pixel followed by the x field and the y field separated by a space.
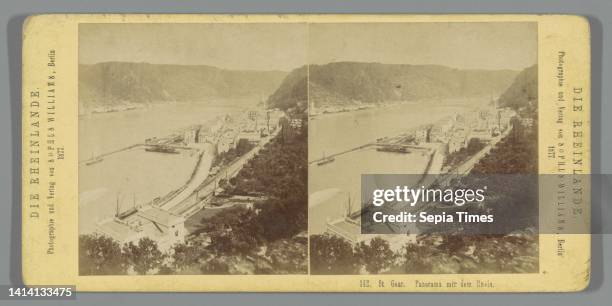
pixel 252 136
pixel 190 135
pixel 296 123
pixel 227 142
pixel 482 134
pixel 458 141
pixel 157 224
pixel 436 134
pixel 505 116
pixel 440 132
pixel 420 135
pixel 527 122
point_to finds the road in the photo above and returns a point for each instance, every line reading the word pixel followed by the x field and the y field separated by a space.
pixel 433 175
pixel 200 174
pixel 469 164
pixel 203 186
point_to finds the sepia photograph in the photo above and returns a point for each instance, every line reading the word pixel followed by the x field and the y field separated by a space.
pixel 221 153
pixel 319 153
pixel 192 156
pixel 307 153
pixel 443 102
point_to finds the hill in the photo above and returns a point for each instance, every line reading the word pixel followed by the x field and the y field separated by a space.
pixel 292 91
pixel 354 83
pixel 115 83
pixel 523 92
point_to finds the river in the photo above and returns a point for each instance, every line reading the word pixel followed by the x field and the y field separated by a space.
pixel 332 185
pixel 134 177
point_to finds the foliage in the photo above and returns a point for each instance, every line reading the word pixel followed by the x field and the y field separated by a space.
pixel 143 256
pixel 457 253
pixel 330 254
pixel 113 83
pixel 375 257
pixel 432 253
pixel 456 158
pixel 512 198
pixel 510 173
pixel 242 147
pixel 287 256
pixel 186 255
pixel 523 93
pixel 279 171
pixel 100 255
pixel 517 153
pixel 235 231
pixel 165 270
pixel 342 83
pixel 233 242
pixel 215 266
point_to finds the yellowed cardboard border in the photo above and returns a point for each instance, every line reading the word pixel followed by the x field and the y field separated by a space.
pixel 46 34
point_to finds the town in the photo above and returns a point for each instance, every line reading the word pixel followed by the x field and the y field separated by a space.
pixel 453 145
pixel 223 148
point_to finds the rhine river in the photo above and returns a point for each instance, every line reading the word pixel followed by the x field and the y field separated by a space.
pixel 134 176
pixel 331 186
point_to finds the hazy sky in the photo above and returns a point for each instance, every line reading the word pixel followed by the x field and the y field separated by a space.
pixel 288 46
pixel 457 45
pixel 231 46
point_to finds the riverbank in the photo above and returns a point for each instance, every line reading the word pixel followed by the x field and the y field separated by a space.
pixel 124 180
pixel 124 175
pixel 338 132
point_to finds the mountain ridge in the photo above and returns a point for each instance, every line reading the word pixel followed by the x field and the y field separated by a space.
pixel 341 83
pixel 523 92
pixel 110 84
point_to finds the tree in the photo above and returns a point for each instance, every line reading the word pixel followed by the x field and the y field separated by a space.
pixel 144 256
pixel 214 266
pixel 331 254
pixel 418 258
pixel 288 256
pixel 100 255
pixel 186 255
pixel 235 231
pixel 280 172
pixel 165 270
pixel 243 146
pixel 460 253
pixel 376 256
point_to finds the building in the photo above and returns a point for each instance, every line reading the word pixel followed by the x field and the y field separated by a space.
pixel 191 135
pixel 226 142
pixel 441 131
pixel 484 113
pixel 420 135
pixel 458 141
pixel 224 145
pixel 505 116
pixel 159 225
pixel 482 134
pixel 437 135
pixel 527 122
pixel 251 136
pixel 252 115
pixel 296 123
pixel 345 228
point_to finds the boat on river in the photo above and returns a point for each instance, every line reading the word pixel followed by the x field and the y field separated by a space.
pixel 325 160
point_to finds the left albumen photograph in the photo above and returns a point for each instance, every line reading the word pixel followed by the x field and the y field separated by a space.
pixel 190 162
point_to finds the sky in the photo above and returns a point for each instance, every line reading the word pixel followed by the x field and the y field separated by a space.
pixel 483 45
pixel 231 46
pixel 288 46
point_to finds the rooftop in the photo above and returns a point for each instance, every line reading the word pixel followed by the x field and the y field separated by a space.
pixel 160 216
